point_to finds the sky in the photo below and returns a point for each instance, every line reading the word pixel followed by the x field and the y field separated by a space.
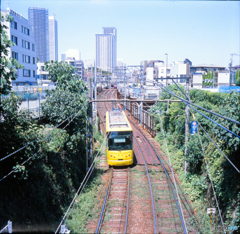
pixel 205 32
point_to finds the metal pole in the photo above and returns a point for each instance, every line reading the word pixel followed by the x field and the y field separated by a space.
pixel 86 143
pixel 186 125
pixel 91 134
pixel 95 87
pixel 39 103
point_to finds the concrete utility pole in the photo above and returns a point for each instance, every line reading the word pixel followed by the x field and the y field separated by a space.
pixel 186 125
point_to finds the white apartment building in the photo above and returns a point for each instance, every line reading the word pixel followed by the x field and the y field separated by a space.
pixel 20 32
pixel 180 69
pixel 72 53
pixel 53 38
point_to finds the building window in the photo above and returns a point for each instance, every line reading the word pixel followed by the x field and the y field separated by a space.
pixel 26 31
pixel 33 47
pixel 26 44
pixel 23 58
pixel 14 24
pixel 22 29
pixel 33 60
pixel 27 59
pixel 26 73
pixel 14 39
pixel 33 73
pixel 42 68
pixel 14 55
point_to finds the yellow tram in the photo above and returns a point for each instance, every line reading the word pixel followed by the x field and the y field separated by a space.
pixel 119 139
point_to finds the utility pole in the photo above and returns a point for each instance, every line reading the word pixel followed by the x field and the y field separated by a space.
pixel 95 88
pixel 186 125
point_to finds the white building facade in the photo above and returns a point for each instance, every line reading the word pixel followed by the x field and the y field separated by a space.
pixel 53 38
pixel 106 49
pixel 20 32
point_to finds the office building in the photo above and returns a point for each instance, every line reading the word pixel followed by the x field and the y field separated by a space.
pixel 106 48
pixel 19 31
pixel 53 38
pixel 38 19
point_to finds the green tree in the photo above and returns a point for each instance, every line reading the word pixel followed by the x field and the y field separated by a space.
pixel 68 97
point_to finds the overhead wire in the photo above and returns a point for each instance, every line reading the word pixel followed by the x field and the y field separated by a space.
pixel 83 183
pixel 33 140
pixel 191 103
pixel 174 181
pixel 209 175
pixel 211 138
pixel 39 149
pixel 186 102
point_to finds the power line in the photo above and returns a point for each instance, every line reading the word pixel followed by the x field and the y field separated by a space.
pixel 37 151
pixel 215 197
pixel 212 139
pixel 214 113
pixel 179 201
pixel 186 102
pixel 33 140
pixel 83 183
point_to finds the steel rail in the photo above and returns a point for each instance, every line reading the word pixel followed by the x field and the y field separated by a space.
pixel 126 222
pixel 154 218
pixel 104 204
pixel 184 229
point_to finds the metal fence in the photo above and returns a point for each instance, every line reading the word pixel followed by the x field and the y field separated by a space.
pixel 147 120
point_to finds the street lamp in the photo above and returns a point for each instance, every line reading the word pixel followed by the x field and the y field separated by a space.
pixel 166 67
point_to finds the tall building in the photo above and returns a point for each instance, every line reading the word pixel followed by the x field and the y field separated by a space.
pixel 38 19
pixel 24 50
pixel 106 48
pixel 53 38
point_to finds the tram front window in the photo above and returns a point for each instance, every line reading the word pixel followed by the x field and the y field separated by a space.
pixel 120 141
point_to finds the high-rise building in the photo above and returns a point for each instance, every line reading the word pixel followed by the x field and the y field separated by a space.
pixel 38 19
pixel 24 51
pixel 106 48
pixel 53 38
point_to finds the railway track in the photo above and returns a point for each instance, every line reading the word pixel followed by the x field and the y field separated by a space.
pixel 114 215
pixel 153 205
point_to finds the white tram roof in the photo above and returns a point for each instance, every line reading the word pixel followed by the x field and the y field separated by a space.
pixel 117 119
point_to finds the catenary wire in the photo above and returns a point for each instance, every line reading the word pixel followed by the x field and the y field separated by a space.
pixel 37 151
pixel 185 101
pixel 33 140
pixel 212 139
pixel 209 175
pixel 174 181
pixel 214 113
pixel 83 183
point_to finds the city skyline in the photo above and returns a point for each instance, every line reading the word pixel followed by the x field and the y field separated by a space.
pixel 204 32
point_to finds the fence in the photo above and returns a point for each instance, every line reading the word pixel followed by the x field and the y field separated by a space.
pixel 147 119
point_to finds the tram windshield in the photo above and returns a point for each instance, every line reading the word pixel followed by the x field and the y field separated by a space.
pixel 120 141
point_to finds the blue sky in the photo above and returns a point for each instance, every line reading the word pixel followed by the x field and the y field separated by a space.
pixel 206 32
